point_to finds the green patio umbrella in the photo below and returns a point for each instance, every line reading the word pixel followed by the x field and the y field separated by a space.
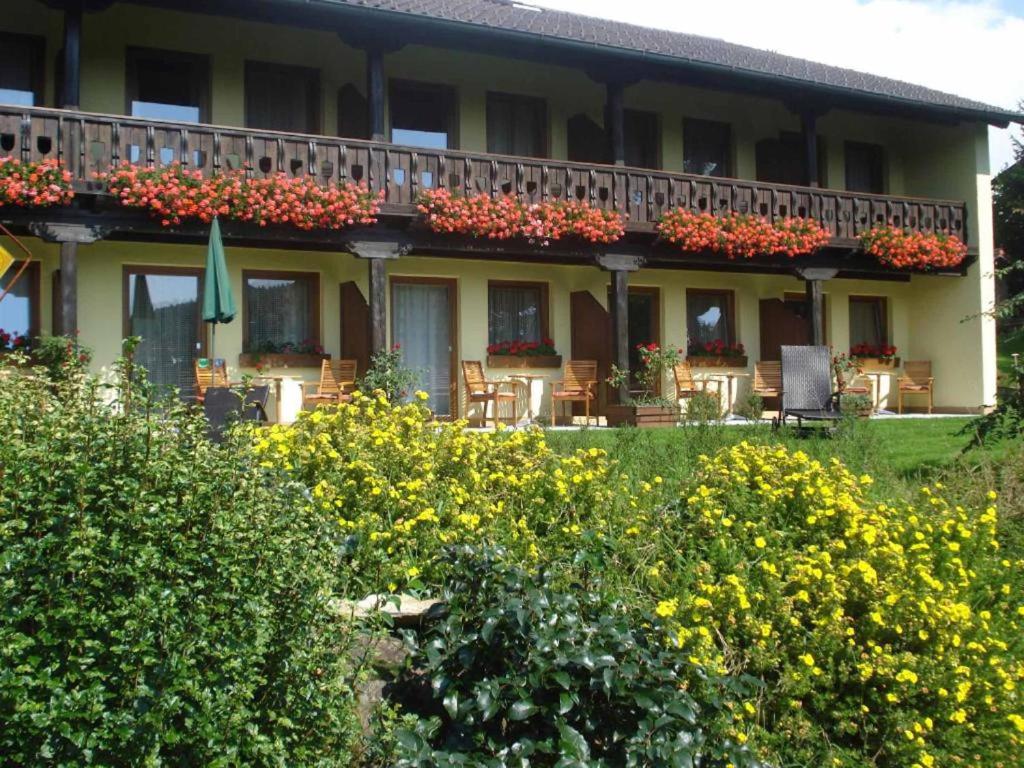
pixel 218 300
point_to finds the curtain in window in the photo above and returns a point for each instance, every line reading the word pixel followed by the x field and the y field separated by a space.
pixel 514 314
pixel 277 312
pixel 164 311
pixel 867 322
pixel 421 324
pixel 707 318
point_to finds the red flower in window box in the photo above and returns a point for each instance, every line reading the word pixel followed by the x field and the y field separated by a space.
pixel 34 184
pixel 741 235
pixel 899 249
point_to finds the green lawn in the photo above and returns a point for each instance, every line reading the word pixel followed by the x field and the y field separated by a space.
pixel 1008 345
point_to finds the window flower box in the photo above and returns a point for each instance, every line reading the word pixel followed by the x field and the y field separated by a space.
pixel 872 357
pixel 524 361
pixel 717 361
pixel 878 363
pixel 281 359
pixel 642 416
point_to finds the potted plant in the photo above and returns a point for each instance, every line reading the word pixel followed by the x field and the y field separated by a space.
pixel 645 407
pixel 716 354
pixel 523 354
pixel 305 354
pixel 860 405
pixel 875 356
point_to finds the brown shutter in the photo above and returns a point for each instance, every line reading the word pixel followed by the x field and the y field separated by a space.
pixel 355 326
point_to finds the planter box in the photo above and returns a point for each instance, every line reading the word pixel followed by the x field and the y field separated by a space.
pixel 878 363
pixel 700 361
pixel 280 360
pixel 524 361
pixel 643 416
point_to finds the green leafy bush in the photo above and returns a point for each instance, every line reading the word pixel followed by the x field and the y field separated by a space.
pixel 751 407
pixel 703 408
pixel 163 600
pixel 521 672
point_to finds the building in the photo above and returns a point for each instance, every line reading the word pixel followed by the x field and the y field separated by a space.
pixel 484 97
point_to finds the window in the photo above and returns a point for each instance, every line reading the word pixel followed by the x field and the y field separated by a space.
pixel 516 125
pixel 517 311
pixel 19 311
pixel 869 321
pixel 423 115
pixel 707 147
pixel 643 139
pixel 282 98
pixel 21 69
pixel 781 160
pixel 353 113
pixel 709 316
pixel 167 85
pixel 162 307
pixel 587 142
pixel 865 167
pixel 281 309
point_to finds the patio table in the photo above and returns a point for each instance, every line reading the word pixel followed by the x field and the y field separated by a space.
pixel 528 380
pixel 877 386
pixel 730 382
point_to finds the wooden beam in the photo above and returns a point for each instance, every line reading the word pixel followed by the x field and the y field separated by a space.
pixel 378 306
pixel 72 56
pixel 375 93
pixel 68 289
pixel 620 325
pixel 816 300
pixel 615 123
pixel 809 129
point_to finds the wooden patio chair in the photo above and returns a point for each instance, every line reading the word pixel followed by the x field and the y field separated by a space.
pixel 337 380
pixel 480 390
pixel 917 379
pixel 578 385
pixel 686 385
pixel 209 373
pixel 767 378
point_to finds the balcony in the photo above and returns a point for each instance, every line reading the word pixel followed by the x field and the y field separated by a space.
pixel 89 144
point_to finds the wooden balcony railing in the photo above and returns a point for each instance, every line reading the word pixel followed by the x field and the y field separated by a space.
pixel 89 144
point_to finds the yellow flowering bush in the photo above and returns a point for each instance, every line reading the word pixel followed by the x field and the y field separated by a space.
pixel 885 634
pixel 402 487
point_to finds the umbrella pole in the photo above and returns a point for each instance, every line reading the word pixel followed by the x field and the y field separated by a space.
pixel 213 344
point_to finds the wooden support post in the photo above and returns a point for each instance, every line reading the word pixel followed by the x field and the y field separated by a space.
pixel 620 330
pixel 72 56
pixel 816 317
pixel 378 306
pixel 70 236
pixel 616 123
pixel 809 129
pixel 375 92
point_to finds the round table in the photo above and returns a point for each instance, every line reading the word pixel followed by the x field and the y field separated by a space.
pixel 528 379
pixel 730 379
pixel 878 374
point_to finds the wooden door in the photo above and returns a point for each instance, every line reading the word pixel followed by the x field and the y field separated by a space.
pixel 355 327
pixel 591 332
pixel 781 324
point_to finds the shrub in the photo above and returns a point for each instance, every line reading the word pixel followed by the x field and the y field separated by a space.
pixel 389 374
pixel 751 407
pixel 164 601
pixel 886 634
pixel 520 669
pixel 402 487
pixel 702 408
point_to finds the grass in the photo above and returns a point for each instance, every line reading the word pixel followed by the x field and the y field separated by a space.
pixel 1008 345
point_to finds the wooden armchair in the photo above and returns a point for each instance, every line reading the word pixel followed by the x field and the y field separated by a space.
pixel 480 390
pixel 917 379
pixel 768 380
pixel 686 385
pixel 578 385
pixel 209 373
pixel 337 380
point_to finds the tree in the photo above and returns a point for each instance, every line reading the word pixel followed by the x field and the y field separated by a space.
pixel 1008 211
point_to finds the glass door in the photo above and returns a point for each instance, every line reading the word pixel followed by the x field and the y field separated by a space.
pixel 423 325
pixel 163 308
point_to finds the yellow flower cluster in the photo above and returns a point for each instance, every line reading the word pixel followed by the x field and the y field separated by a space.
pixel 896 628
pixel 402 486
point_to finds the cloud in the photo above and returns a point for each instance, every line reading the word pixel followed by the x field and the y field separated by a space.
pixel 968 48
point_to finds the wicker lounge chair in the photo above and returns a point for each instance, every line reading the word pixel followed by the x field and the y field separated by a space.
pixel 224 406
pixel 807 393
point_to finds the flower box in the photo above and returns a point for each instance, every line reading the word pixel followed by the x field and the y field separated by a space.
pixel 280 360
pixel 878 363
pixel 717 361
pixel 524 361
pixel 642 416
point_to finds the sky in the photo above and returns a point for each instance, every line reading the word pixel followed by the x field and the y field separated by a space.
pixel 970 48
